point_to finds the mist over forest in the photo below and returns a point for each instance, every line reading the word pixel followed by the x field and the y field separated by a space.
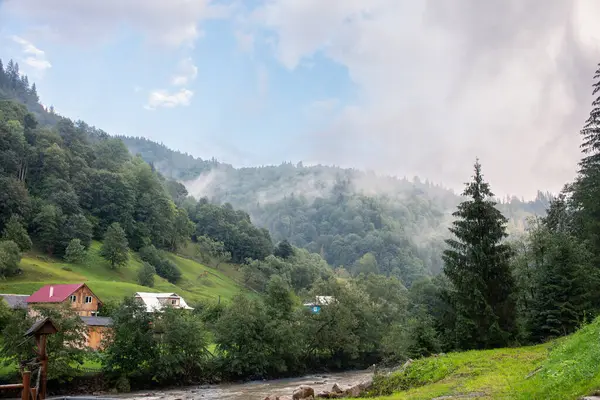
pixel 339 213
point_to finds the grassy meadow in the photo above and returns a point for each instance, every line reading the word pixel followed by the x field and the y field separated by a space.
pixel 198 282
pixel 564 369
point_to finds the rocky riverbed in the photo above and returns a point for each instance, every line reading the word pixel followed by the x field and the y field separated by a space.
pixel 257 390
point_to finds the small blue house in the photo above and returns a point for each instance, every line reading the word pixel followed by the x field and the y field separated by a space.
pixel 315 307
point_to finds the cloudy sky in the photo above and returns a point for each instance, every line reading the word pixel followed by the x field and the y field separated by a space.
pixel 406 87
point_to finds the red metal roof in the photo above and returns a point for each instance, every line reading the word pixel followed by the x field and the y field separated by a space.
pixel 59 293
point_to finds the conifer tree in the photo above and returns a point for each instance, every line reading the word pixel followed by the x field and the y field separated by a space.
pixel 586 188
pixel 477 264
pixel 114 249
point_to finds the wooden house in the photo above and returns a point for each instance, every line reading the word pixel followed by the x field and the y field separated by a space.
pixel 97 329
pixel 81 299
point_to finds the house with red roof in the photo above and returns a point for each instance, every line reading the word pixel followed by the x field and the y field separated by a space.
pixel 77 295
pixel 82 300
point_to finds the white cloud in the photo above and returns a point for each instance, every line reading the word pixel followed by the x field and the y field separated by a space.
pixel 172 22
pixel 441 83
pixel 33 56
pixel 186 72
pixel 166 99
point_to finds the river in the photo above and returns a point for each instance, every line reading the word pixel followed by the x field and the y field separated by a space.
pixel 256 390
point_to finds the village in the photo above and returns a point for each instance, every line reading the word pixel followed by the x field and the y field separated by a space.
pixel 87 306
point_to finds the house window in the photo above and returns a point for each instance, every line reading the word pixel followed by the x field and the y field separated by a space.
pixel 88 299
pixel 73 298
pixel 174 302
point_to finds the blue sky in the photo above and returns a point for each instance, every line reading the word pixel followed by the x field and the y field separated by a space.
pixel 401 87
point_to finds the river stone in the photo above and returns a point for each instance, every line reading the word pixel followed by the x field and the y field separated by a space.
pixel 336 388
pixel 303 392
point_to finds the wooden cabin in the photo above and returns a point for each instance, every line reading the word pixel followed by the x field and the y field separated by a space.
pixel 78 295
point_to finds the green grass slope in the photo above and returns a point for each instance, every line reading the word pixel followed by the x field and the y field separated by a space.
pixel 198 282
pixel 567 368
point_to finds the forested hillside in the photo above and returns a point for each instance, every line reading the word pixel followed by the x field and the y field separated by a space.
pixel 356 220
pixel 64 184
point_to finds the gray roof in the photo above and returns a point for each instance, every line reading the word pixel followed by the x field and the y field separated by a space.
pixel 15 300
pixel 97 321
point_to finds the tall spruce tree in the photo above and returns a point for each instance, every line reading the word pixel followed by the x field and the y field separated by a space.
pixel 585 198
pixel 477 264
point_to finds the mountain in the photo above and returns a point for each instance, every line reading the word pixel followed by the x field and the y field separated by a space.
pixel 341 214
pixel 357 221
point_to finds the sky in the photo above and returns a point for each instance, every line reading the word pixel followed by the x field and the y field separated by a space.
pixel 401 87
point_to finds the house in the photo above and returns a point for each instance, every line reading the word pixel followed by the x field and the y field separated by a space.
pixel 15 301
pixel 97 329
pixel 157 301
pixel 82 300
pixel 77 295
pixel 320 301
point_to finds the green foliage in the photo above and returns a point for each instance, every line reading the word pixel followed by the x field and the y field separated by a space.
pixel 17 233
pixel 556 281
pixel 146 275
pixel 169 346
pixel 586 189
pixel 244 340
pixel 181 343
pixel 367 264
pixel 300 270
pixel 212 251
pixel 5 314
pixel 130 348
pixel 478 265
pixel 114 248
pixel 234 228
pixel 47 223
pixel 164 267
pixel 75 252
pixel 66 349
pixel 10 256
pixel 283 249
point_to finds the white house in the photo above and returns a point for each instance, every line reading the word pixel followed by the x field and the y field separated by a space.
pixel 157 301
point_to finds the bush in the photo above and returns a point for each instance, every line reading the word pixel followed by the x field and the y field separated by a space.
pixel 75 252
pixel 10 257
pixel 146 275
pixel 164 267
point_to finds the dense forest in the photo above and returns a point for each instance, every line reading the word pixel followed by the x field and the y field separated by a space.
pixel 342 214
pixel 414 268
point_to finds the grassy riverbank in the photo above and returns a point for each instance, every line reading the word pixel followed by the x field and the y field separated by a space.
pixel 564 369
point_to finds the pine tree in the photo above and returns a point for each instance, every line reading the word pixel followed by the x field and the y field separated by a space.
pixel 114 249
pixel 562 284
pixel 477 264
pixel 34 94
pixel 586 188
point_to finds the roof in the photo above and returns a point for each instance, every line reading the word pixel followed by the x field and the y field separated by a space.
pixel 43 326
pixel 321 301
pixel 59 293
pixel 97 321
pixel 15 301
pixel 156 301
pixel 324 300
